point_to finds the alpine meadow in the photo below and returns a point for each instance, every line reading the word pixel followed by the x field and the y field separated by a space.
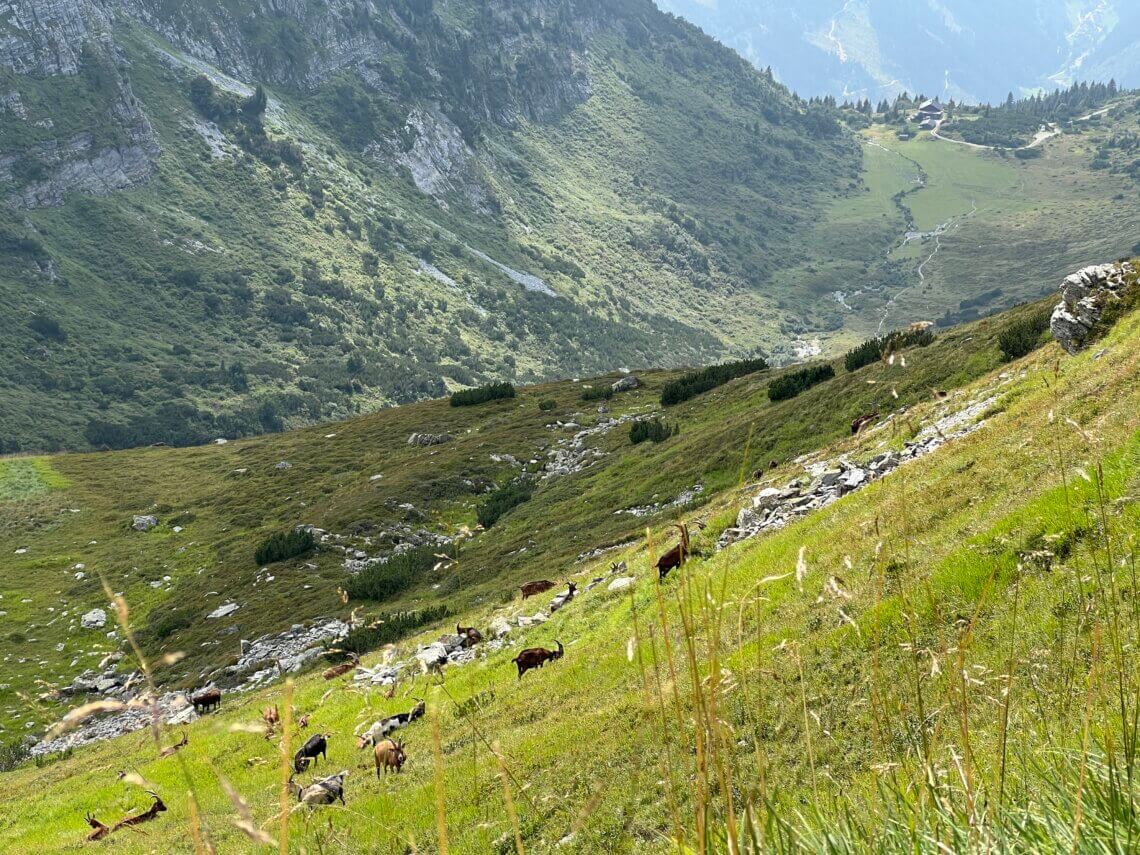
pixel 540 426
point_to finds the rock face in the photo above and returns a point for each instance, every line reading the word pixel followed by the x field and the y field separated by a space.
pixel 1085 295
pixel 113 150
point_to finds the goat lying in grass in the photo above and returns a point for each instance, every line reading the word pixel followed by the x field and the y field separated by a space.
pixel 470 635
pixel 532 588
pixel 99 830
pixel 325 791
pixel 387 725
pixel 171 750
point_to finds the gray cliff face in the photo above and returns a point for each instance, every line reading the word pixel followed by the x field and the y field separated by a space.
pixel 47 37
pixel 55 39
pixel 1085 298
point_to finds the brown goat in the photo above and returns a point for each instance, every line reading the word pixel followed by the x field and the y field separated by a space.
pixel 99 830
pixel 470 635
pixel 389 755
pixel 532 588
pixel 862 422
pixel 171 750
pixel 343 668
pixel 676 556
pixel 207 699
pixel 270 716
pixel 536 657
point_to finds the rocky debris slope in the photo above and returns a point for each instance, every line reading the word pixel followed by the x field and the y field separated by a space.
pixel 572 455
pixel 172 708
pixel 829 480
pixel 1085 296
pixel 271 656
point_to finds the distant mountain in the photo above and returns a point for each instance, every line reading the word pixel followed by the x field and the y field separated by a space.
pixel 423 196
pixel 977 50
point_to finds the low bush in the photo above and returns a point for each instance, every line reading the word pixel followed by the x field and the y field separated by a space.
pixel 385 629
pixel 482 394
pixel 501 501
pixel 793 384
pixel 14 754
pixel 1023 335
pixel 284 544
pixel 547 405
pixel 873 349
pixel 696 382
pixel 653 430
pixel 397 574
pixel 597 393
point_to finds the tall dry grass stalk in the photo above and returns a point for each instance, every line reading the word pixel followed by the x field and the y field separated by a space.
pixel 440 803
pixel 286 768
pixel 507 799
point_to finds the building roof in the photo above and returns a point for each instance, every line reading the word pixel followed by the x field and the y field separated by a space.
pixel 930 107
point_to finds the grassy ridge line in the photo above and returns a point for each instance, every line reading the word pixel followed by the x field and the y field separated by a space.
pixel 224 514
pixel 935 523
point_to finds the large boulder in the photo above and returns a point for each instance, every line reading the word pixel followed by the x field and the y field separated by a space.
pixel 627 383
pixel 1085 296
pixel 94 619
pixel 144 522
pixel 426 439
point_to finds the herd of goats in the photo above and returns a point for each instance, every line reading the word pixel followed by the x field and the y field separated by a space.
pixel 388 753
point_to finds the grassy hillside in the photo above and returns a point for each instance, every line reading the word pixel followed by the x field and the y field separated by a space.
pixel 965 621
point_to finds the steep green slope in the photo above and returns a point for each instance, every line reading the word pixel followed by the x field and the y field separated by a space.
pixel 433 197
pixel 878 643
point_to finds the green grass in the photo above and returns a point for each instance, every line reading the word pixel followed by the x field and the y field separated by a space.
pixel 972 559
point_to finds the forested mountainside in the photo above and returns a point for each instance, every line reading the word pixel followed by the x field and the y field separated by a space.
pixel 222 218
pixel 963 49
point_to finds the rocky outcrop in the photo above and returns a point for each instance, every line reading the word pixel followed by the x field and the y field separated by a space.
pixel 426 439
pixel 1085 298
pixel 144 522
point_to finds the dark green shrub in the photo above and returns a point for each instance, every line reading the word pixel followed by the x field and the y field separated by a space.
pixel 1023 335
pixel 792 384
pixel 399 572
pixel 695 382
pixel 654 430
pixel 873 349
pixel 597 393
pixel 165 622
pixel 385 629
pixel 501 501
pixel 547 405
pixel 482 394
pixel 284 544
pixel 14 754
pixel 47 326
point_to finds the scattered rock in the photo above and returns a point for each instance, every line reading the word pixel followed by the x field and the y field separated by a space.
pixel 499 628
pixel 620 583
pixel 224 611
pixel 284 464
pixel 428 439
pixel 144 522
pixel 94 619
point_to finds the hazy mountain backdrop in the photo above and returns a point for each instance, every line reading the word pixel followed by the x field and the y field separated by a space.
pixel 965 49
